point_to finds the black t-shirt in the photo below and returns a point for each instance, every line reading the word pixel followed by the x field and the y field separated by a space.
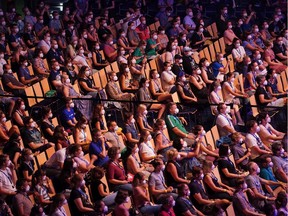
pixel 261 91
pixel 195 188
pixel 44 126
pixel 95 191
pixel 182 205
pixel 75 194
pixel 26 167
pixel 227 163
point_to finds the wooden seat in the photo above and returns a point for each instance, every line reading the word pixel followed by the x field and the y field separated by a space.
pixel 153 64
pixel 30 93
pixel 212 52
pixel 67 209
pixel 230 211
pixel 115 67
pixel 253 104
pixel 207 54
pixel 217 47
pixel 55 121
pixel 50 151
pixel 222 45
pixel 41 159
pixel 215 133
pixel 210 140
pixel 38 92
pixel 31 71
pixel 157 25
pixel 215 30
pixel 45 85
pixel 8 124
pixel 210 30
pixel 103 78
pixel 96 80
pixel 284 81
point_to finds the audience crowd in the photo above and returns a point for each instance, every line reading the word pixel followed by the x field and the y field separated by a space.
pixel 74 162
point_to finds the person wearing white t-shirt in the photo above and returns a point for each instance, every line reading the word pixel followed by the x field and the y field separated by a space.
pixel 225 123
pixel 55 163
pixel 253 141
pixel 168 78
pixel 267 133
pixel 8 177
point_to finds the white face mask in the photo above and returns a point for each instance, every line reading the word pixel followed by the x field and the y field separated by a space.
pixel 164 126
pixel 41 55
pixel 147 85
pixel 105 210
pixel 163 168
pixel 178 157
pixel 144 182
pixel 213 167
pixel 240 22
pixel 133 61
pixel 4 119
pixel 173 203
pixel 149 137
pixel 221 59
pixel 169 69
pixel 198 72
pixel 155 37
pixel 258 170
pixel 270 164
pixel 22 107
pixel 75 165
pixel 50 115
pixel 257 129
pixel 57 67
pixel 26 64
pixel 237 45
pixel 81 154
pixel 123 52
pixel 257 68
pixel 67 81
pixel 256 30
pixel 97 47
pixel 265 83
pixel 27 188
pixel 201 176
pixel 145 112
pixel 133 121
pixel 119 155
pixel 162 32
pixel 174 47
pixel 185 144
pixel 268 119
pixel 137 150
pixel 115 78
pixel 203 133
pixel 87 73
pixel 207 64
pixel 241 140
pixel 10 71
pixel 183 79
pixel 116 128
pixel 245 186
pixel 83 182
pixel 157 75
pixel 33 125
pixel 105 24
pixel 188 193
pixel 190 14
pixel 219 88
pixel 72 105
pixel 229 151
pixel 102 112
pixel 127 200
pixel 230 27
pixel 180 61
pixel 249 37
pixel 176 111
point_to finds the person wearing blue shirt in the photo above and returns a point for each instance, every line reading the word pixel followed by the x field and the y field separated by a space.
pixel 98 149
pixel 267 173
pixel 68 119
pixel 217 65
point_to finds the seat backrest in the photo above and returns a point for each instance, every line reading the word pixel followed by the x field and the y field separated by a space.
pixel 215 30
pixel 212 52
pixel 175 97
pixel 115 67
pixel 207 54
pixel 215 133
pixel 217 47
pixel 96 80
pixel 38 92
pixel 29 92
pixel 50 151
pixel 222 44
pixel 253 104
pixel 45 85
pixel 103 78
pixel 284 81
pixel 41 159
pixel 210 140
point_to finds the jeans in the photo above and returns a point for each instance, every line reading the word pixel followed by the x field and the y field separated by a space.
pixel 127 187
pixel 109 200
pixel 149 209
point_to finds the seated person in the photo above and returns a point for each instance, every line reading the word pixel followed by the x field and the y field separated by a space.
pixel 80 133
pixel 175 125
pixel 215 189
pixel 130 131
pixel 262 97
pixel 168 78
pixel 240 203
pixel 8 177
pixel 98 120
pixel 184 91
pixel 241 154
pixel 98 149
pixel 280 50
pixel 114 92
pixel 10 83
pixel 47 126
pixel 145 96
pixel 109 50
pixel 32 137
pixel 268 134
pixel 266 172
pixel 112 135
pixel 224 122
pixel 68 119
pixel 141 118
pixel 24 73
pixel 157 186
pixel 254 182
pixel 280 167
pixel 55 76
pixel 218 68
pixel 5 133
pixel 253 141
pixel 200 199
pixel 86 83
pixel 39 67
pixel 55 163
pixel 22 204
pixel 227 169
pixel 197 85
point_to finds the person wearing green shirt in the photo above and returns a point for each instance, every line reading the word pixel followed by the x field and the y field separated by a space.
pixel 152 45
pixel 175 125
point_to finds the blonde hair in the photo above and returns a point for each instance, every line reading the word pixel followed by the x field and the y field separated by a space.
pixel 141 107
pixel 171 153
